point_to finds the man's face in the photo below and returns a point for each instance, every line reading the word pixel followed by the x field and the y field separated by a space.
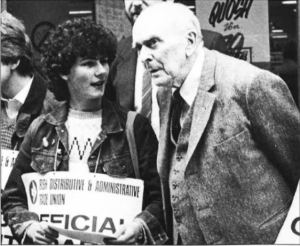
pixel 162 49
pixel 133 8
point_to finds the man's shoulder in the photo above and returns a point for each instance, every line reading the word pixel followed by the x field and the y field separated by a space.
pixel 235 67
pixel 231 71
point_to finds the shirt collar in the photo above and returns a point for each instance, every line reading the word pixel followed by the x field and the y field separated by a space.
pixel 22 95
pixel 189 88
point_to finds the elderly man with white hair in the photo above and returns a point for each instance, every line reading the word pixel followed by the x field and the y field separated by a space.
pixel 230 137
pixel 129 83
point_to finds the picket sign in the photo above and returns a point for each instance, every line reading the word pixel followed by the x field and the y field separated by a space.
pixel 290 231
pixel 8 158
pixel 87 207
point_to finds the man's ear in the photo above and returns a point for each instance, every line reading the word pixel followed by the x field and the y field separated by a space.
pixel 191 42
pixel 13 66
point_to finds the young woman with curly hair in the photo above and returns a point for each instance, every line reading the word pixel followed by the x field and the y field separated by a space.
pixel 77 59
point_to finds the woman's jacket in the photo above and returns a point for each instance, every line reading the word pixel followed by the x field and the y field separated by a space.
pixel 115 160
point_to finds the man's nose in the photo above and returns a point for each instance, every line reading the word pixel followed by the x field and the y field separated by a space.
pixel 145 54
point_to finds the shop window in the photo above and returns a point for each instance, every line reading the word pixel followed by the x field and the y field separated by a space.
pixel 283 42
pixel 81 8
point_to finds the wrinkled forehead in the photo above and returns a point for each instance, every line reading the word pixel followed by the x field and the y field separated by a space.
pixel 147 28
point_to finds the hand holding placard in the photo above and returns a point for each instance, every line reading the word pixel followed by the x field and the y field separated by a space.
pixel 40 233
pixel 87 207
pixel 128 234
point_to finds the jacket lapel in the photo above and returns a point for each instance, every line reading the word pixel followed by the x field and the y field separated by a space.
pixel 203 104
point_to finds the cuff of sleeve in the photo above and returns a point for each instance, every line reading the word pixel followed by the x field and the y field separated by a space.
pixel 20 221
pixel 142 240
pixel 154 231
pixel 20 217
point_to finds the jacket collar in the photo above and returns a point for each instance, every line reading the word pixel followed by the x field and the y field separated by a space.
pixel 203 104
pixel 110 119
pixel 207 80
pixel 34 100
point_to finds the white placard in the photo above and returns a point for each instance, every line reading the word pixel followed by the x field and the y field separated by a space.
pixel 290 231
pixel 82 205
pixel 8 158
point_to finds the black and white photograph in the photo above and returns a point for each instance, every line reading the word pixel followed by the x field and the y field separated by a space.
pixel 150 122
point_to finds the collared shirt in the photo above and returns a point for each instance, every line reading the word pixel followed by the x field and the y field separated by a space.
pixel 189 88
pixel 13 105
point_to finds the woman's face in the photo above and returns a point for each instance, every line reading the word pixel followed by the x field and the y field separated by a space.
pixel 87 79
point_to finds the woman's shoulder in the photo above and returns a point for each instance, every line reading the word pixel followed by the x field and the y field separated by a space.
pixel 123 112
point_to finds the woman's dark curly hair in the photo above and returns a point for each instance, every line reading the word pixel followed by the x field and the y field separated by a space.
pixel 71 39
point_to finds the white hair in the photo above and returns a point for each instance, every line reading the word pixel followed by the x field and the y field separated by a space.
pixel 176 15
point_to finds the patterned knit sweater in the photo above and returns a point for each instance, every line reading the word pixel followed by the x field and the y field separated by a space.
pixel 83 129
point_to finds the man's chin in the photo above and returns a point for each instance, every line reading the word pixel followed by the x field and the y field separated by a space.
pixel 162 81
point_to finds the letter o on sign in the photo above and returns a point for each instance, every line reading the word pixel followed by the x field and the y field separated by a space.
pixel 33 191
pixel 294 223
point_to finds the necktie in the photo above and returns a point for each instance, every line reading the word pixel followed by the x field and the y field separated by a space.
pixel 177 103
pixel 146 95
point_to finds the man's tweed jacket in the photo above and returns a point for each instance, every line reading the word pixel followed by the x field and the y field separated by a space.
pixel 243 158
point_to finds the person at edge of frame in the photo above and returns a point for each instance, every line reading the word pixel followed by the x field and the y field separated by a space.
pixel 229 142
pixel 78 68
pixel 24 94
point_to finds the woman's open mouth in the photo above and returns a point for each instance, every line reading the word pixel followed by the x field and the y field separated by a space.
pixel 98 83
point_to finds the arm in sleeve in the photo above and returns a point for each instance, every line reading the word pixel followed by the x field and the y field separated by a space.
pixel 275 122
pixel 152 214
pixel 14 200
